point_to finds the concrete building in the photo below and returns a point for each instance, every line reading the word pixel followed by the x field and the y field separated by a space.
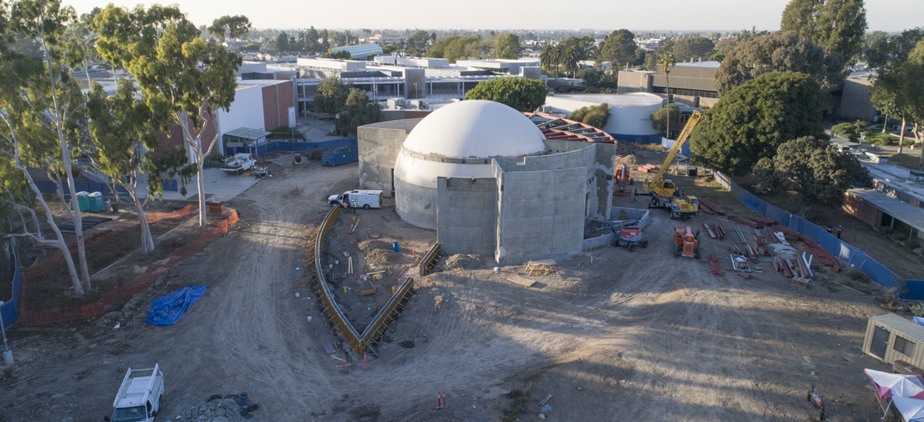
pixel 690 83
pixel 489 180
pixel 855 99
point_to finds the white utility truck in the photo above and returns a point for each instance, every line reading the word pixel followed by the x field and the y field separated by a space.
pixel 138 399
pixel 358 198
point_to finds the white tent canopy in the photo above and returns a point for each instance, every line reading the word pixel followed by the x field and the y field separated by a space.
pixel 911 409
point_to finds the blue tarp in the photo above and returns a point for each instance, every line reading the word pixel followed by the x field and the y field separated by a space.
pixel 170 308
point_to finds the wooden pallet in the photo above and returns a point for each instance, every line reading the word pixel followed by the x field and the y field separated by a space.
pixel 543 267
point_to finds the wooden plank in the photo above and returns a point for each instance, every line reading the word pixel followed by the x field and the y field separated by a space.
pixel 523 281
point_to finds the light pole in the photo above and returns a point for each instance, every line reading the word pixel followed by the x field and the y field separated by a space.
pixel 7 353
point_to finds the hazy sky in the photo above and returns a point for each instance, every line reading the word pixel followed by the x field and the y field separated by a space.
pixel 885 15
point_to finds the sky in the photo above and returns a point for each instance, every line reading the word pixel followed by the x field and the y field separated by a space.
pixel 680 15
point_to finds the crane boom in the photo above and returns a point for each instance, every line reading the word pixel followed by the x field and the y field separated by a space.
pixel 655 183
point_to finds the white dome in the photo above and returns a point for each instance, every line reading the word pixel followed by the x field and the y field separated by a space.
pixel 476 129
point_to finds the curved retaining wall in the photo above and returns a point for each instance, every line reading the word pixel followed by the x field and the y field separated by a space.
pixel 363 342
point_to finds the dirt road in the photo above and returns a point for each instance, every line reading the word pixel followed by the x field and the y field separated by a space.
pixel 612 335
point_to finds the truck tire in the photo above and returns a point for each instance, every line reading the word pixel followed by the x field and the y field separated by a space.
pixel 631 247
pixel 644 244
pixel 365 207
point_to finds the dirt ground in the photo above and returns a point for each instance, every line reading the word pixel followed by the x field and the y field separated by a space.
pixel 611 335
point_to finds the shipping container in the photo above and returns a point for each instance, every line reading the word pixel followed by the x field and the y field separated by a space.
pixel 890 337
pixel 338 156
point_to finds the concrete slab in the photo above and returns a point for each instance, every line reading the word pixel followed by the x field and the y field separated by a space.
pixel 219 187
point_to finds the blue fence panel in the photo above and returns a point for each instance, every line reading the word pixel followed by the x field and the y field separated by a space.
pixel 287 146
pixel 856 258
pixel 11 304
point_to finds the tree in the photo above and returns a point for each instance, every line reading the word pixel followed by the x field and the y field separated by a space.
pixel 618 48
pixel 458 47
pixel 507 46
pixel 418 43
pixel 752 120
pixel 41 109
pixel 230 27
pixel 282 42
pixel 667 61
pixel 837 26
pixel 177 70
pixel 357 111
pixel 778 52
pixel 596 116
pixel 814 168
pixel 899 89
pixel 518 93
pixel 565 55
pixel 331 95
pixel 124 132
pixel 666 117
pixel 693 48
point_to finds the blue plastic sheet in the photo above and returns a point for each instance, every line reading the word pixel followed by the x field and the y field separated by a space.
pixel 170 308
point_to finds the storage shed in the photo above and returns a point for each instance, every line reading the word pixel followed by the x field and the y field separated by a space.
pixel 890 337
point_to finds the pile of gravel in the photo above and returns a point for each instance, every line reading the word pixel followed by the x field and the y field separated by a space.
pixel 464 262
pixel 218 408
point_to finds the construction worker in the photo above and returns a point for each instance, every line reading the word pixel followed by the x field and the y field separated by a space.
pixel 353 205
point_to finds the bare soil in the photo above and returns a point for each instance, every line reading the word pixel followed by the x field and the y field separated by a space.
pixel 610 335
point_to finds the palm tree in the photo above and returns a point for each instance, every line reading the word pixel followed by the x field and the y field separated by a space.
pixel 667 61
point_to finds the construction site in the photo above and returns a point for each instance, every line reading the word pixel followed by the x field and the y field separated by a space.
pixel 317 312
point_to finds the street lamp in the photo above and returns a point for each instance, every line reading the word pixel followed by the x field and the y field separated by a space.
pixel 7 353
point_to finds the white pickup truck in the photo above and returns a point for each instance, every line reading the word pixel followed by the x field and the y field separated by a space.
pixel 138 399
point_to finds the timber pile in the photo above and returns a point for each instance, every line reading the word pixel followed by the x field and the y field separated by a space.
pixel 709 207
pixel 822 254
pixel 715 231
pixel 647 168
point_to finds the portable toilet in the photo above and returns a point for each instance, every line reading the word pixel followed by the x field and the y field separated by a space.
pixel 83 201
pixel 890 337
pixel 96 202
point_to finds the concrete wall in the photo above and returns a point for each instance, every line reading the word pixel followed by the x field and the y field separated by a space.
pixel 467 215
pixel 277 99
pixel 541 214
pixel 379 144
pixel 416 204
pixel 855 100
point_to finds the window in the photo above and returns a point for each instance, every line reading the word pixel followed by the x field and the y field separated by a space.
pixel 903 346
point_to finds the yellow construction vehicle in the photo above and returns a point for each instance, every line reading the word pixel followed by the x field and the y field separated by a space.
pixel 663 192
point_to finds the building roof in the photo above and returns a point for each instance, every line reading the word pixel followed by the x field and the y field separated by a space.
pixel 568 130
pixel 360 51
pixel 903 211
pixel 247 133
pixel 903 326
pixel 476 129
pixel 617 100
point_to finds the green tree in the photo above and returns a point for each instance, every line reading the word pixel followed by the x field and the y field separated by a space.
pixel 564 56
pixel 899 88
pixel 595 116
pixel 357 111
pixel 814 168
pixel 618 48
pixel 41 108
pixel 518 93
pixel 331 95
pixel 693 48
pixel 457 47
pixel 752 120
pixel 177 70
pixel 282 42
pixel 777 52
pixel 124 132
pixel 507 46
pixel 666 117
pixel 417 44
pixel 230 27
pixel 837 26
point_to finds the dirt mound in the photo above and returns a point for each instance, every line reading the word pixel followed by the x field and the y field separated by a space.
pixel 378 258
pixel 464 262
pixel 371 244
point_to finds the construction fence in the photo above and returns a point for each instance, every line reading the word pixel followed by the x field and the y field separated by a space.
pixel 9 309
pixel 853 256
pixel 288 146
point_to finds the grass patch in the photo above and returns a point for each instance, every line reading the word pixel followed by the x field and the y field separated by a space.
pixel 517 407
pixel 907 160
